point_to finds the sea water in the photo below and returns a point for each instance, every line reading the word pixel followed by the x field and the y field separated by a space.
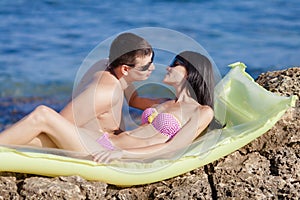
pixel 43 43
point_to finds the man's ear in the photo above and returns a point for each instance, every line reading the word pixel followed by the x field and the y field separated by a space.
pixel 124 70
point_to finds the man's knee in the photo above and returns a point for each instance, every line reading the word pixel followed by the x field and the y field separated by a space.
pixel 40 114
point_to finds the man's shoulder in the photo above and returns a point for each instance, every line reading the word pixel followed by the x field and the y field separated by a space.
pixel 106 82
pixel 100 65
pixel 105 78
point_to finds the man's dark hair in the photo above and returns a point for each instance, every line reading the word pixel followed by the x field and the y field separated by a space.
pixel 126 48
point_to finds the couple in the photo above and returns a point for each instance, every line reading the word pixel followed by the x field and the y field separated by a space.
pixel 94 128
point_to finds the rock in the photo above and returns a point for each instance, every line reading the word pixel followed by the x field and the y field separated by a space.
pixel 45 188
pixel 192 185
pixel 285 82
pixel 90 189
pixel 8 188
pixel 267 168
pixel 72 187
pixel 244 177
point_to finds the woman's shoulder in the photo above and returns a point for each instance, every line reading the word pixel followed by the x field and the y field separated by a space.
pixel 206 110
pixel 204 107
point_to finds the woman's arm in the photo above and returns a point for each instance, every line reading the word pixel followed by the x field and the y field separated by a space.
pixel 189 132
pixel 196 125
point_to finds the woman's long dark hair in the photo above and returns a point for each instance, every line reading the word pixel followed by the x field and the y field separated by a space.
pixel 199 76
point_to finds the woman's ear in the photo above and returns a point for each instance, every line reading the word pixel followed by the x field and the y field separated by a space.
pixel 186 75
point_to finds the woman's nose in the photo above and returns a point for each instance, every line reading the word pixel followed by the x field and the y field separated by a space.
pixel 152 67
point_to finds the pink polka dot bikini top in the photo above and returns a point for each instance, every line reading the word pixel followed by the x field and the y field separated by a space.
pixel 166 123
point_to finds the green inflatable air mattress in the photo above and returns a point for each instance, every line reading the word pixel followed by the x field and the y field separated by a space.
pixel 246 109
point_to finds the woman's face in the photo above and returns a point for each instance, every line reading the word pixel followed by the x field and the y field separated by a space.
pixel 176 73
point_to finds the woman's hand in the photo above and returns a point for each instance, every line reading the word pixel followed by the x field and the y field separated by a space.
pixel 107 156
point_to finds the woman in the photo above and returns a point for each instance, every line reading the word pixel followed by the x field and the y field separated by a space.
pixel 172 125
pixel 166 128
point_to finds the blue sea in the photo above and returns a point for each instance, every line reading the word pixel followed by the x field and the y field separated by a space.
pixel 43 43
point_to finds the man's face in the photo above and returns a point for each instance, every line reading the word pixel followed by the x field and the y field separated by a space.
pixel 142 69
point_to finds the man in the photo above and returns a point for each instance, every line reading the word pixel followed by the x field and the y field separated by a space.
pixel 98 106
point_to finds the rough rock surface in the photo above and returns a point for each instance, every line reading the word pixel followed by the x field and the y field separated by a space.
pixel 267 168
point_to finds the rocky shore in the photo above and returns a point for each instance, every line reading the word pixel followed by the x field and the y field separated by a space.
pixel 267 168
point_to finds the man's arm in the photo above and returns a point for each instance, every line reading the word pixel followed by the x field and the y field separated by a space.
pixel 134 100
pixel 94 100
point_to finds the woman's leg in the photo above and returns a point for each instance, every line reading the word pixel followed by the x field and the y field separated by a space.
pixel 63 133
